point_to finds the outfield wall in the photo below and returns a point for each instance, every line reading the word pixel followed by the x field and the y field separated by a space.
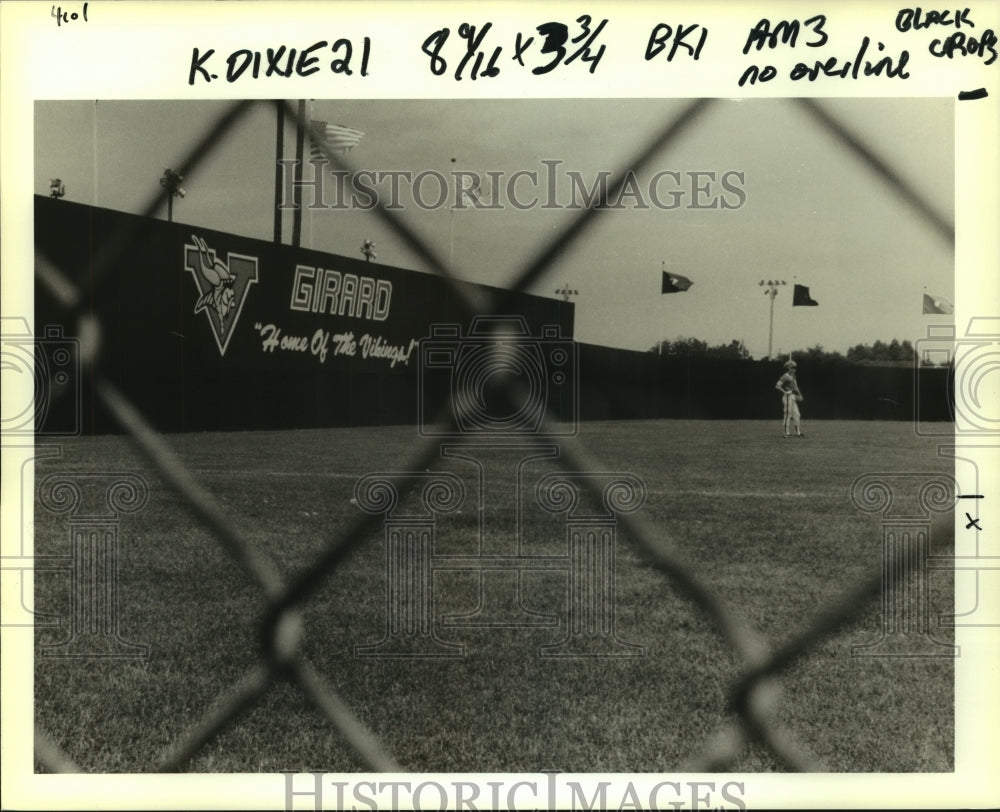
pixel 617 384
pixel 204 330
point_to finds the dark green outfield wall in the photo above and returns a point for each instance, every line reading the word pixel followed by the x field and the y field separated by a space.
pixel 619 385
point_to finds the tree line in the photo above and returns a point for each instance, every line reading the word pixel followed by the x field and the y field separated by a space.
pixel 880 353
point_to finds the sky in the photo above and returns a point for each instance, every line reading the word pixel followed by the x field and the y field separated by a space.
pixel 801 207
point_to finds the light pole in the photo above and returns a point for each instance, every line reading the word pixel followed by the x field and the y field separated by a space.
pixel 771 289
pixel 171 181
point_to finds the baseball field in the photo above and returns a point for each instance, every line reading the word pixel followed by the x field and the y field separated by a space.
pixel 766 525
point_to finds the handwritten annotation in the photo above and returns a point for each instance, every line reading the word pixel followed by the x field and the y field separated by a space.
pixel 478 50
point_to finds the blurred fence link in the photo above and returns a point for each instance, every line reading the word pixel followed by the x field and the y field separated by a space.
pixel 754 697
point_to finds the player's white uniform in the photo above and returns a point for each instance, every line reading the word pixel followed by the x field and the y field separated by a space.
pixel 789 390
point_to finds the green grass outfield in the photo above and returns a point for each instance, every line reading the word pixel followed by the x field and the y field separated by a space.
pixel 766 522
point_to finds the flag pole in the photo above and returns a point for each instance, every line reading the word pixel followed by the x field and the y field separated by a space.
pixel 672 283
pixel 311 115
pixel 95 152
pixel 451 228
pixel 663 317
pixel 770 328
pixel 299 143
pixel 279 149
pixel 793 340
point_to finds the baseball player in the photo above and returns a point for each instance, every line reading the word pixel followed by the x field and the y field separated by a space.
pixel 791 397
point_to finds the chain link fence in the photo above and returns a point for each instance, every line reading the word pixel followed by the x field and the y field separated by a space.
pixel 754 697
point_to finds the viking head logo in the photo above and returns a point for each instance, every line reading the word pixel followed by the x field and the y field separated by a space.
pixel 220 293
pixel 222 286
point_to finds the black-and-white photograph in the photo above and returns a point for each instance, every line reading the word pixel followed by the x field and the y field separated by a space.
pixel 665 299
pixel 537 452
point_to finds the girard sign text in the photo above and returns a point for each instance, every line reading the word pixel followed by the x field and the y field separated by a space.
pixel 323 290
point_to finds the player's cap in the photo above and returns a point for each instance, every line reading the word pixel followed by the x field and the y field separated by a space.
pixel 789 365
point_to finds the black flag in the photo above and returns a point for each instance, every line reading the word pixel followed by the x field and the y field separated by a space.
pixel 675 283
pixel 801 297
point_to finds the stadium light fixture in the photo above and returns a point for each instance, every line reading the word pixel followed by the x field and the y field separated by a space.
pixel 566 292
pixel 171 181
pixel 771 290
